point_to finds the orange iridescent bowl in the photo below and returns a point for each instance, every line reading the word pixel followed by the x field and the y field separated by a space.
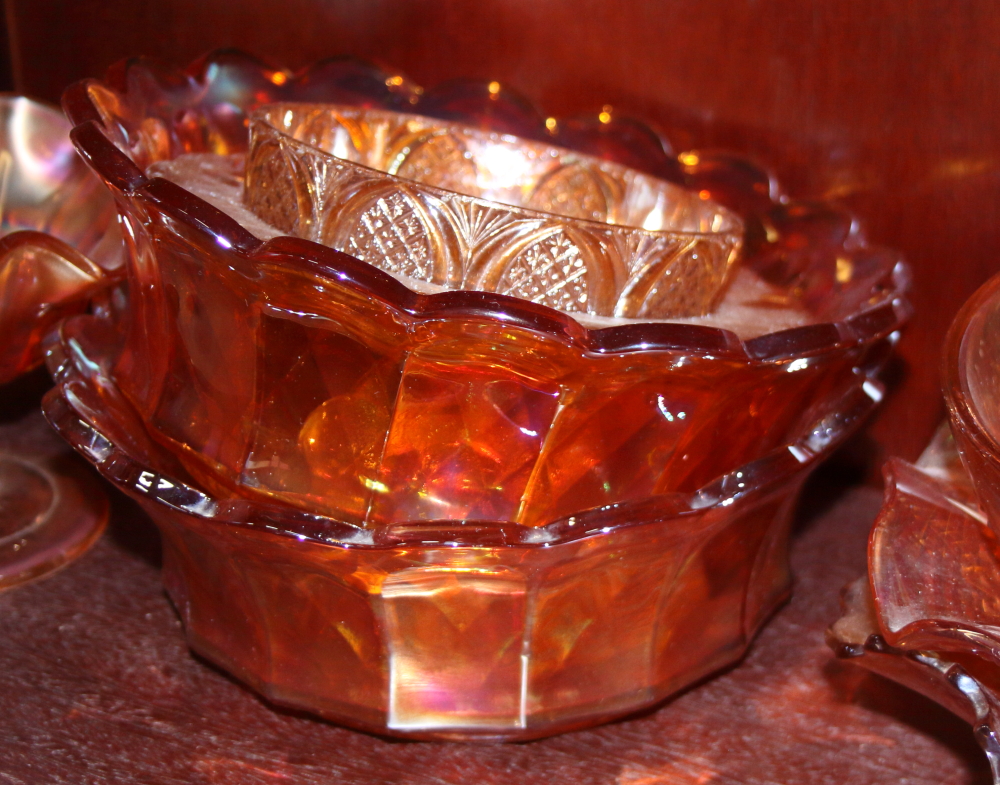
pixel 53 211
pixel 59 244
pixel 452 514
pixel 467 629
pixel 928 613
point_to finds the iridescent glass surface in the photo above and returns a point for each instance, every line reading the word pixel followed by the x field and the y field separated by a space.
pixel 59 241
pixel 453 514
pixel 469 628
pixel 52 212
pixel 929 613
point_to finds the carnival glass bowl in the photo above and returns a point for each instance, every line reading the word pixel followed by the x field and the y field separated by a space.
pixel 928 614
pixel 51 208
pixel 58 237
pixel 455 629
pixel 452 513
pixel 286 371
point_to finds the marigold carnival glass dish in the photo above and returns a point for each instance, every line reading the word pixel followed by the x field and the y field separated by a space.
pixel 50 206
pixel 456 629
pixel 58 238
pixel 928 613
pixel 451 514
pixel 466 209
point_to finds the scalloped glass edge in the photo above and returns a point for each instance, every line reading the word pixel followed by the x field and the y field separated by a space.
pixel 126 470
pixel 908 619
pixel 123 175
pixel 931 674
pixel 930 641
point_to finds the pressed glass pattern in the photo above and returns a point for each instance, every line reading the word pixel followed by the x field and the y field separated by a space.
pixel 453 514
pixel 468 209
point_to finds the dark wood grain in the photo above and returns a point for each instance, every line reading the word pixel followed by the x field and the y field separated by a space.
pixel 889 106
pixel 97 686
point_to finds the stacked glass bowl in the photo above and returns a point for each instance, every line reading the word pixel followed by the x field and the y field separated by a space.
pixel 390 492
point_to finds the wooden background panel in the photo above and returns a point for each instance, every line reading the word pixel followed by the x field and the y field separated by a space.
pixel 888 106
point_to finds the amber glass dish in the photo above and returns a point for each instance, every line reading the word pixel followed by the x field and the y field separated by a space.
pixel 929 613
pixel 467 209
pixel 456 629
pixel 972 393
pixel 59 243
pixel 452 514
pixel 52 211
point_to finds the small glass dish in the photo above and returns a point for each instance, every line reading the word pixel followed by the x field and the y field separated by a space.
pixel 461 208
pixel 928 614
pixel 452 514
pixel 53 211
pixel 59 244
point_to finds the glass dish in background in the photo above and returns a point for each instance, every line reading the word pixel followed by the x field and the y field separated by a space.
pixel 928 614
pixel 60 243
pixel 53 211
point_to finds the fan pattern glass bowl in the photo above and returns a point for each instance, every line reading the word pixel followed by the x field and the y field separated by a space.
pixel 451 514
pixel 466 209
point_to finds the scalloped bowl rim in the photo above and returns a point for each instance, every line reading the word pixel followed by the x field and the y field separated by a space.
pixel 121 173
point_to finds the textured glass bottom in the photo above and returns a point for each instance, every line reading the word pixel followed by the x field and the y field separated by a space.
pixel 48 516
pixel 26 495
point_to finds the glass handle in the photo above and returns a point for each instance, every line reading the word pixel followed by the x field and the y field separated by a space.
pixel 42 281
